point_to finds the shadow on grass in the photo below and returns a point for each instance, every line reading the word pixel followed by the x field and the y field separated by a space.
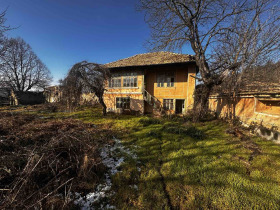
pixel 177 171
pixel 209 173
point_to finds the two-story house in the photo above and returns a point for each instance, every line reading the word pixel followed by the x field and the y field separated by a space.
pixel 152 82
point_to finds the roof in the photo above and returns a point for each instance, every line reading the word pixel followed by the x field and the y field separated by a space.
pixel 260 80
pixel 260 87
pixel 154 58
pixel 52 88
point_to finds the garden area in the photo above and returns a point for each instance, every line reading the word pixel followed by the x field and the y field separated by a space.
pixel 52 159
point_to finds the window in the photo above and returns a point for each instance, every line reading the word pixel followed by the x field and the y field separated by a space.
pixel 166 77
pixel 170 79
pixel 123 103
pixel 115 81
pixel 160 80
pixel 168 104
pixel 130 80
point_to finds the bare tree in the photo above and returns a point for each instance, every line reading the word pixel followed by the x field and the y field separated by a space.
pixel 225 36
pixel 72 89
pixel 3 29
pixel 85 77
pixel 21 69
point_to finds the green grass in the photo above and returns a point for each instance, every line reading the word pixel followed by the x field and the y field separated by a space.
pixel 188 166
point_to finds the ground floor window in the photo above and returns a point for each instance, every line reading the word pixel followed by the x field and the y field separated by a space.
pixel 123 102
pixel 168 104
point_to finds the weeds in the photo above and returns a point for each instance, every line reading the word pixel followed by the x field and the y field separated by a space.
pixel 40 159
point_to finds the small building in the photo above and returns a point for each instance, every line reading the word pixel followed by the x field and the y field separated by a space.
pixel 26 98
pixel 257 102
pixel 5 94
pixel 53 94
pixel 151 83
pixel 262 107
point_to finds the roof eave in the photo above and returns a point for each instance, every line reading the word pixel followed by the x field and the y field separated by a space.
pixel 149 65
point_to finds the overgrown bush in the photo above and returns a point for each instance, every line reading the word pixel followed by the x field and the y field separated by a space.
pixel 40 160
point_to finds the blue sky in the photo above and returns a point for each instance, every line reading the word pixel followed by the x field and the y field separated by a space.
pixel 63 32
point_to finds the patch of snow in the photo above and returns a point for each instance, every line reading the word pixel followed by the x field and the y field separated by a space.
pixel 134 186
pixel 119 146
pixel 112 160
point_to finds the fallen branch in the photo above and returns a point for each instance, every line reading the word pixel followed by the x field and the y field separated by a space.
pixel 50 193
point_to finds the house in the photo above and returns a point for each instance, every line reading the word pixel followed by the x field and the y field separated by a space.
pixel 151 83
pixel 5 96
pixel 53 94
pixel 26 98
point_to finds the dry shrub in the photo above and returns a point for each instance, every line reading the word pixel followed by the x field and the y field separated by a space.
pixel 42 161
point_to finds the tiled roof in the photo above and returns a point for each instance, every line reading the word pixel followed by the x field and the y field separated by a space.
pixel 154 58
pixel 261 80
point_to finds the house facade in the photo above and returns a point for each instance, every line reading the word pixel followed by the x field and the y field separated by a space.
pixel 53 94
pixel 151 83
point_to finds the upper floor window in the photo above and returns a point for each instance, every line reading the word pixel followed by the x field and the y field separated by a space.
pixel 130 80
pixel 160 80
pixel 115 81
pixel 165 77
pixel 170 79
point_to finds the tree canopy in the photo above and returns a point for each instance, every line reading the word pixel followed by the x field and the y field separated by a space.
pixel 226 37
pixel 85 77
pixel 21 69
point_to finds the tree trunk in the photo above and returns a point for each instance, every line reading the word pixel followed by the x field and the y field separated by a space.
pixel 201 102
pixel 101 101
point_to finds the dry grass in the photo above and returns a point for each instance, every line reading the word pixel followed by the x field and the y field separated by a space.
pixel 41 159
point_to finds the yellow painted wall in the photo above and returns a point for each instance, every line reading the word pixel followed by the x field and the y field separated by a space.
pixel 183 88
pixel 136 102
pixel 268 107
pixel 147 79
pixel 249 109
pixel 135 94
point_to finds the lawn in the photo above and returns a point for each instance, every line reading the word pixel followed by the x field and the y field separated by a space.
pixel 181 165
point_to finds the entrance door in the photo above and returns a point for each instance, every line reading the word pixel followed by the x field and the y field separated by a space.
pixel 180 105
